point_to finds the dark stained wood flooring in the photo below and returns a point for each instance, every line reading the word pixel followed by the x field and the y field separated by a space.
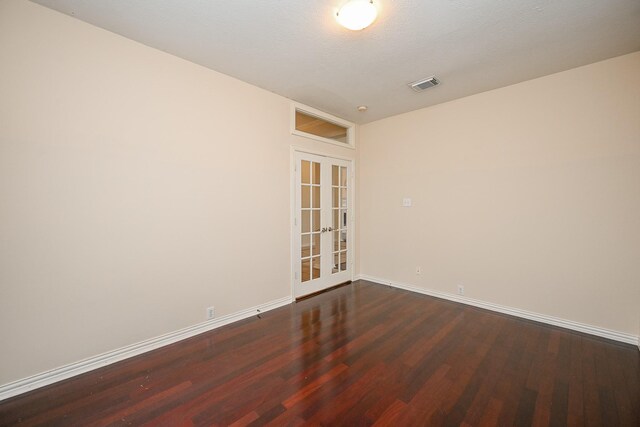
pixel 363 354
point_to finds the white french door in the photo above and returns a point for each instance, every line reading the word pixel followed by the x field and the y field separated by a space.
pixel 322 223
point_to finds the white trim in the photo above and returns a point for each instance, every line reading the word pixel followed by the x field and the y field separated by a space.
pixel 351 127
pixel 67 371
pixel 292 218
pixel 318 152
pixel 543 318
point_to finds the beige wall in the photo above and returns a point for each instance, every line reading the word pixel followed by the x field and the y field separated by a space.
pixel 527 195
pixel 136 189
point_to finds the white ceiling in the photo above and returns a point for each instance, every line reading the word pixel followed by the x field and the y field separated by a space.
pixel 296 49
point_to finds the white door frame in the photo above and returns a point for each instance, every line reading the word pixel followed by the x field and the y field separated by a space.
pixel 351 195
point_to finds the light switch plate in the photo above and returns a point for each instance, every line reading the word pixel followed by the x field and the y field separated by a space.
pixel 406 202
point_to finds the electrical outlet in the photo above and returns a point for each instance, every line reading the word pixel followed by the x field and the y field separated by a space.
pixel 418 271
pixel 211 312
pixel 460 290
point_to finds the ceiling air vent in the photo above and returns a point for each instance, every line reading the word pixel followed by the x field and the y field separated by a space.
pixel 421 85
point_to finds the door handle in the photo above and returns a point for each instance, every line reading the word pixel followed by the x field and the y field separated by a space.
pixel 324 230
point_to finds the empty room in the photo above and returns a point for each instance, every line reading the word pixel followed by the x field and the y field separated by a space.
pixel 323 212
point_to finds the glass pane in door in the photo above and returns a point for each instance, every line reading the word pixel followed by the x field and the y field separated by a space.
pixel 305 172
pixel 305 246
pixel 335 223
pixel 315 244
pixel 305 270
pixel 316 220
pixel 306 221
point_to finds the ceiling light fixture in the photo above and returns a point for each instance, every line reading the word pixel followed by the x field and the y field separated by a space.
pixel 357 14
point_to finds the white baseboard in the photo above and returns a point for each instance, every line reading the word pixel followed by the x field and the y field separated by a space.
pixel 543 318
pixel 58 374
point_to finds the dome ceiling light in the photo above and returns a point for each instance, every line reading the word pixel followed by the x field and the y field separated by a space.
pixel 357 14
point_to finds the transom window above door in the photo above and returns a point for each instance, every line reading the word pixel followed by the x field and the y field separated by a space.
pixel 311 123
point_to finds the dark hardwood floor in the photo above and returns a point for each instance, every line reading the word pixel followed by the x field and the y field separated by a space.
pixel 363 354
